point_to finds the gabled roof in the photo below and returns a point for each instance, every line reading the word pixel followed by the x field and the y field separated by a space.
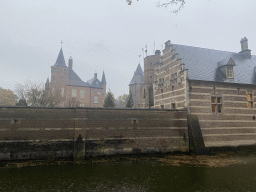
pixel 202 64
pixel 227 61
pixel 94 83
pixel 103 79
pixel 140 72
pixel 75 80
pixel 60 60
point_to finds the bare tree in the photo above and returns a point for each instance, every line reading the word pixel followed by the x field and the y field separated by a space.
pixel 35 94
pixel 178 3
pixel 72 102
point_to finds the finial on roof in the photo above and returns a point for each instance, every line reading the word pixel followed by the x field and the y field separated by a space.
pixel 61 43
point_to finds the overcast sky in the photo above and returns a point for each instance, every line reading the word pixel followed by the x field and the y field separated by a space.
pixel 109 35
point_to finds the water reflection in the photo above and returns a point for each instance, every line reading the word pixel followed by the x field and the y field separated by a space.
pixel 170 173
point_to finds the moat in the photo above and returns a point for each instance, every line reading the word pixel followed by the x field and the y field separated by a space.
pixel 180 172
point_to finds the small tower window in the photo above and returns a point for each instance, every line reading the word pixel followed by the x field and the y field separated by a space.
pixel 144 95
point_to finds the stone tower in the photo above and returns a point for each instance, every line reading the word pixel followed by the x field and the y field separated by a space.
pixel 135 86
pixel 146 95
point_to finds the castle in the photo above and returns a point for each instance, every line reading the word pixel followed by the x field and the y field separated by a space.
pixel 70 90
pixel 217 86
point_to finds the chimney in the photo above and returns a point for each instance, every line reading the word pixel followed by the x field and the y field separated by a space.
pixel 70 63
pixel 244 48
pixel 95 74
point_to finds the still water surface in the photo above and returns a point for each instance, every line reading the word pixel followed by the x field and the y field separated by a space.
pixel 169 173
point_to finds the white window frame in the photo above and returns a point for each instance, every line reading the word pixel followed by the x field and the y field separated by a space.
pixel 229 72
pixel 82 93
pixel 96 99
pixel 62 92
pixel 74 92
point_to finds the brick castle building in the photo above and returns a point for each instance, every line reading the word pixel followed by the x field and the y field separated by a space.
pixel 70 90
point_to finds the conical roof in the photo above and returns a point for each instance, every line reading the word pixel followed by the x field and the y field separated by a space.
pixel 103 79
pixel 47 81
pixel 137 72
pixel 60 60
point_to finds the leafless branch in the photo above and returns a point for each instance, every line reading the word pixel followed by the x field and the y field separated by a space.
pixel 179 3
pixel 35 94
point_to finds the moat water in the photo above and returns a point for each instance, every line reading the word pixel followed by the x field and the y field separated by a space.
pixel 223 172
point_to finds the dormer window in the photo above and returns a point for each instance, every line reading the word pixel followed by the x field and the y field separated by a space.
pixel 229 72
pixel 226 66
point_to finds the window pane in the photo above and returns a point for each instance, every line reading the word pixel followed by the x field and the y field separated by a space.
pixel 213 99
pixel 62 92
pixel 82 93
pixel 73 92
pixel 95 99
pixel 219 108
pixel 213 108
pixel 229 72
pixel 218 99
pixel 249 104
pixel 248 97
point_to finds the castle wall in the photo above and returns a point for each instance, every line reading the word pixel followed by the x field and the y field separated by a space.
pixel 43 133
pixel 234 124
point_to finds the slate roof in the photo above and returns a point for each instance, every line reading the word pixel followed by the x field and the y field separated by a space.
pixel 60 60
pixel 202 64
pixel 140 72
pixel 95 83
pixel 75 80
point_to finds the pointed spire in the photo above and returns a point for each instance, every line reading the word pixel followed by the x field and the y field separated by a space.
pixel 103 79
pixel 138 70
pixel 60 60
pixel 47 81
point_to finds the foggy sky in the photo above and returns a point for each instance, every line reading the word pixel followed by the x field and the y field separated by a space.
pixel 109 35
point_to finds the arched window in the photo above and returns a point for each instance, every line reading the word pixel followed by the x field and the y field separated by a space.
pixel 144 93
